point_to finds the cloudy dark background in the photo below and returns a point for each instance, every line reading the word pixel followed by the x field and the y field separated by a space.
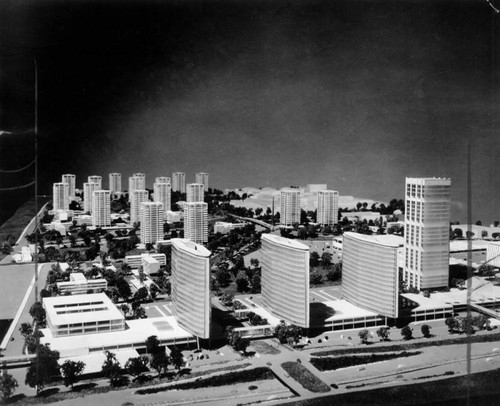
pixel 356 94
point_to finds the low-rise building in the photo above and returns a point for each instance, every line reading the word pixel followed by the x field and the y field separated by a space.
pixel 224 228
pixel 79 285
pixel 82 314
pixel 134 261
pixel 150 264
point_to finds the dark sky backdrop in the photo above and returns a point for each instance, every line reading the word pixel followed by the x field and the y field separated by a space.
pixel 356 94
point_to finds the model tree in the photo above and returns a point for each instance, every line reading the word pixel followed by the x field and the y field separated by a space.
pixel 70 371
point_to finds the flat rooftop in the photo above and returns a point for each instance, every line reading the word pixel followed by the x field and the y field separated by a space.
pixel 463 245
pixel 137 331
pixel 285 241
pixel 388 240
pixel 80 309
pixel 191 247
pixel 345 310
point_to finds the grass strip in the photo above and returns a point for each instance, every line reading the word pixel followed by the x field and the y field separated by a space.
pixel 251 375
pixel 345 361
pixel 483 338
pixel 305 377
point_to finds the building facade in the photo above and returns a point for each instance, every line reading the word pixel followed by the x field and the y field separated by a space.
pixel 70 179
pixel 162 192
pixel 285 279
pixel 101 208
pixel 152 220
pixel 163 179
pixel 493 253
pixel 328 207
pixel 79 285
pixel 427 236
pixel 136 198
pixel 202 177
pixel 95 179
pixel 195 192
pixel 370 272
pixel 179 182
pixel 191 286
pixel 196 222
pixel 136 182
pixel 115 182
pixel 60 196
pixel 290 207
pixel 88 192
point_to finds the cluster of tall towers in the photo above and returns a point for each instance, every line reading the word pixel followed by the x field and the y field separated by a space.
pixel 150 214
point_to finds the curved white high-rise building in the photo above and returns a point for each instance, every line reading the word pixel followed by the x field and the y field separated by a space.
pixel 195 192
pixel 290 207
pixel 179 182
pixel 95 179
pixel 202 177
pixel 101 208
pixel 196 222
pixel 191 286
pixel 427 232
pixel 328 207
pixel 285 279
pixel 136 198
pixel 151 217
pixel 115 182
pixel 162 193
pixel 88 190
pixel 70 179
pixel 60 195
pixel 370 272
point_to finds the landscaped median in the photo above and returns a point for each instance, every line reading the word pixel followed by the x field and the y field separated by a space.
pixel 345 361
pixel 250 375
pixel 305 377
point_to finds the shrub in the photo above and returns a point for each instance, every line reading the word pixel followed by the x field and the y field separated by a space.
pixel 305 377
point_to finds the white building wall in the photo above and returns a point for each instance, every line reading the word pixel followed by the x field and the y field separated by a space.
pixel 196 222
pixel 70 179
pixel 88 190
pixel 151 222
pixel 195 192
pixel 328 207
pixel 179 182
pixel 493 254
pixel 290 207
pixel 370 273
pixel 427 224
pixel 285 279
pixel 115 182
pixel 60 196
pixel 101 208
pixel 191 286
pixel 96 179
pixel 136 198
pixel 163 179
pixel 202 177
pixel 162 193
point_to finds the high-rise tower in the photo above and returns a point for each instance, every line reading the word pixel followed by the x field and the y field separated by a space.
pixel 427 238
pixel 136 198
pixel 88 190
pixel 290 207
pixel 60 194
pixel 328 207
pixel 101 208
pixel 179 182
pixel 196 222
pixel 70 179
pixel 195 192
pixel 151 218
pixel 162 193
pixel 202 177
pixel 96 179
pixel 115 182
